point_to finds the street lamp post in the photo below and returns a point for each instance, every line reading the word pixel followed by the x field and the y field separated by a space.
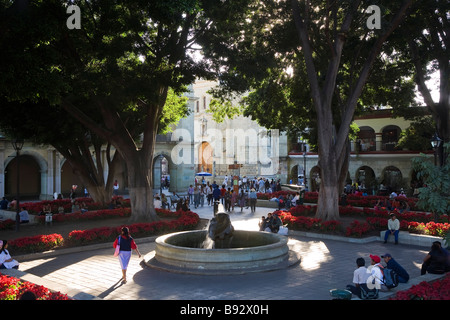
pixel 17 145
pixel 160 174
pixel 304 165
pixel 436 144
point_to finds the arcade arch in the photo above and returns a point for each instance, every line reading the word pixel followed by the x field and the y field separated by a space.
pixel 392 179
pixel 366 139
pixel 389 137
pixel 161 170
pixel 365 176
pixel 29 177
pixel 205 157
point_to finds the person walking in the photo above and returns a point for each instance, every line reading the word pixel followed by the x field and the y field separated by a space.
pixel 191 194
pixel 126 244
pixel 196 196
pixel 241 198
pixel 393 228
pixel 252 198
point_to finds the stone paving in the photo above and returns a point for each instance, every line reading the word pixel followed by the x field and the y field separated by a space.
pixel 325 265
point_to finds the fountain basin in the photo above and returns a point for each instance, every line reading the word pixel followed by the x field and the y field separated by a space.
pixel 250 251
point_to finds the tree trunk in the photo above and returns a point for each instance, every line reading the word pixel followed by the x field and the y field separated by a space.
pixel 328 201
pixel 140 175
pixel 99 194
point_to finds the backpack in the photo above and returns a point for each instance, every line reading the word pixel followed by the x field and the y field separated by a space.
pixel 390 278
pixel 368 294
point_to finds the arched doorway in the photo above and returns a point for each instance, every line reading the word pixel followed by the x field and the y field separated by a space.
pixel 389 137
pixel 161 172
pixel 293 175
pixel 365 176
pixel 29 178
pixel 366 139
pixel 392 179
pixel 205 158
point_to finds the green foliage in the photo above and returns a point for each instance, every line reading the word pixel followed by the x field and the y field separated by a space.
pixel 262 58
pixel 435 195
pixel 222 108
pixel 174 110
pixel 418 135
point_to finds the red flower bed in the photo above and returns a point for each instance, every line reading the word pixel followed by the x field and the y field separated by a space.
pixel 298 222
pixel 351 211
pixel 303 210
pixel 357 229
pixel 301 218
pixel 436 290
pixel 186 220
pixel 430 228
pixel 89 215
pixel 36 207
pixel 12 288
pixel 7 224
pixel 183 221
pixel 331 226
pixel 37 243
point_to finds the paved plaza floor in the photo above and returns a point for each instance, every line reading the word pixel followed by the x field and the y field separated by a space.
pixel 324 265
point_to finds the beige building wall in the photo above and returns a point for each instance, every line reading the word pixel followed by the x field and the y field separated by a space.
pixel 236 146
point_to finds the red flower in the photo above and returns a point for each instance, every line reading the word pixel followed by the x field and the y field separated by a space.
pixel 12 288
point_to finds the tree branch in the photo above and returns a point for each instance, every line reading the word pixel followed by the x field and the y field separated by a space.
pixel 356 93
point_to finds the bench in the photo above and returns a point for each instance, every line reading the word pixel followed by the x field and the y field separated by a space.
pixel 404 237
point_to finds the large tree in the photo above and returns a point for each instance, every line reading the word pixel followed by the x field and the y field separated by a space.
pixel 119 67
pixel 331 53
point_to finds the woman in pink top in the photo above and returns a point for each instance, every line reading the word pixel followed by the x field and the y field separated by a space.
pixel 126 243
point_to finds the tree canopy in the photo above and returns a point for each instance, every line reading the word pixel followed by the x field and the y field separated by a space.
pixel 313 64
pixel 114 74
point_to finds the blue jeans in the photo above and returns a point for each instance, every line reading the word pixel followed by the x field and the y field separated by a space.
pixel 388 232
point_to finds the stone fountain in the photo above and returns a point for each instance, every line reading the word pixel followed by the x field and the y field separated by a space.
pixel 221 250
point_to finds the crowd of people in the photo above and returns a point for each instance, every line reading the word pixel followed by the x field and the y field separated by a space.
pixel 203 193
pixel 231 194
